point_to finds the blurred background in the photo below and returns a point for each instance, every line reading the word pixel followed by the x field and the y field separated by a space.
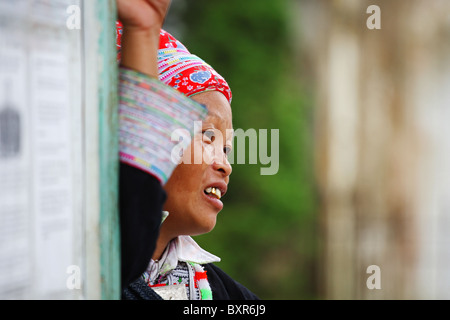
pixel 267 234
pixel 362 102
pixel 360 205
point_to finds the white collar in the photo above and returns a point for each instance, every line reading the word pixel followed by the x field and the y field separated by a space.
pixel 182 248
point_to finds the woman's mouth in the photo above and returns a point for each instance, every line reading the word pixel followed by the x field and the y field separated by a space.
pixel 213 196
pixel 214 192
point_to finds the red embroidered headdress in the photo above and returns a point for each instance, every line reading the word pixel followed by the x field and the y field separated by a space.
pixel 182 70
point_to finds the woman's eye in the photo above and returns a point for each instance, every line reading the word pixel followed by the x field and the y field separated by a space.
pixel 209 134
pixel 227 150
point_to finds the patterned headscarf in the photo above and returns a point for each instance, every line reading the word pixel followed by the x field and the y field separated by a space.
pixel 182 70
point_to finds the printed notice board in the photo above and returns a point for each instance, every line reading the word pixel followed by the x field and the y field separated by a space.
pixel 56 150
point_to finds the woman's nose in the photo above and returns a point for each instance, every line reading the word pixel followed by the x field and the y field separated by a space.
pixel 222 164
pixel 224 167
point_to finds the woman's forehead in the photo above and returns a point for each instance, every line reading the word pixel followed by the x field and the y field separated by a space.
pixel 219 110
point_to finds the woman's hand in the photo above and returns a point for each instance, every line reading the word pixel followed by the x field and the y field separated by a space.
pixel 142 14
pixel 142 21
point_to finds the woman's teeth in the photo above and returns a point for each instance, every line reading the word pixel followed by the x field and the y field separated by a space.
pixel 214 191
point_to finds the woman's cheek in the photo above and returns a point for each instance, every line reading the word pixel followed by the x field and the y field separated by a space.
pixel 193 153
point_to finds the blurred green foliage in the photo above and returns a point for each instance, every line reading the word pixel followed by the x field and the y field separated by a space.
pixel 267 232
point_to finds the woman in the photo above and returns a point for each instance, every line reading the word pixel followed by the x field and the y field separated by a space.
pixel 190 190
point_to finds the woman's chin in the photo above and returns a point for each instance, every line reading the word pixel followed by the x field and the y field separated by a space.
pixel 206 224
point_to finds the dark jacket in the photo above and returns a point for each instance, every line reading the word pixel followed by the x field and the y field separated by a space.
pixel 224 287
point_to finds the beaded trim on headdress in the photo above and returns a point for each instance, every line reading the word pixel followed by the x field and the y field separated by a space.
pixel 146 122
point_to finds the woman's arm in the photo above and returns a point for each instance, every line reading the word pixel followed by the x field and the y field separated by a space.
pixel 149 112
pixel 142 21
pixel 141 195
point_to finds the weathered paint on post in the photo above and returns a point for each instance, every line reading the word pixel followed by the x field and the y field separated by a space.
pixel 108 153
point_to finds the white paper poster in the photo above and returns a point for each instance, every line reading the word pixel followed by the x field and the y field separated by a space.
pixel 40 158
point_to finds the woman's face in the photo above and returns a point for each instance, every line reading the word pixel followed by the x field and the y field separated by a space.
pixel 195 187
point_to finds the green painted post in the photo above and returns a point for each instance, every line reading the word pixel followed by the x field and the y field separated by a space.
pixel 108 152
